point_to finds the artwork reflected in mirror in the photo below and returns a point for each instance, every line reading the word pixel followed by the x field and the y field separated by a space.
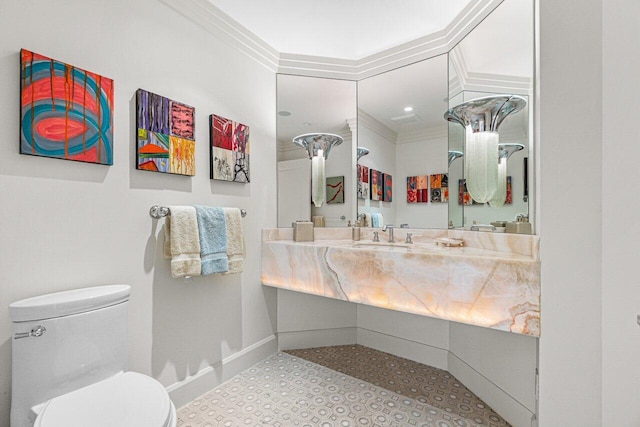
pixel 316 106
pixel 400 123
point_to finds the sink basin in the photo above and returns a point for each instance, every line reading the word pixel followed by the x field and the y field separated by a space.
pixel 383 245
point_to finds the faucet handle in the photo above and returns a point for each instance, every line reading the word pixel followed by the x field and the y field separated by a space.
pixel 376 238
pixel 409 240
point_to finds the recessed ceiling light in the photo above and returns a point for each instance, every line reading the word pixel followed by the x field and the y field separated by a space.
pixel 408 109
pixel 306 124
pixel 284 113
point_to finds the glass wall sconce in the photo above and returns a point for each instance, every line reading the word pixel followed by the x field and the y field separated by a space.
pixel 504 152
pixel 318 146
pixel 362 151
pixel 481 118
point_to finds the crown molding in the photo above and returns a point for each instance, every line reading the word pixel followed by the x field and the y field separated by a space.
pixel 369 122
pixel 221 25
pixel 463 79
pixel 424 134
pixel 218 23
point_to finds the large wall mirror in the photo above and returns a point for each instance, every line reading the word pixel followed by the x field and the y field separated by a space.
pixel 400 123
pixel 410 166
pixel 495 58
pixel 309 105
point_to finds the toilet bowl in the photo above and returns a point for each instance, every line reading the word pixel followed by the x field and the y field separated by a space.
pixel 69 364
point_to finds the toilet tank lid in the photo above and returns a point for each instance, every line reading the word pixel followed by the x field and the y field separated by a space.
pixel 68 302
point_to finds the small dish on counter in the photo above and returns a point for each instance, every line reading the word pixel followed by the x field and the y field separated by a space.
pixel 448 241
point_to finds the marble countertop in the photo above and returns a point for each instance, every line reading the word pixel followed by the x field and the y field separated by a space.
pixel 493 281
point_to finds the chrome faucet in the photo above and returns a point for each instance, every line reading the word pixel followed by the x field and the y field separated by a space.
pixel 376 239
pixel 390 228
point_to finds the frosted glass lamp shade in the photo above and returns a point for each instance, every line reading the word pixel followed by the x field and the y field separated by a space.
pixel 500 195
pixel 481 118
pixel 318 182
pixel 481 164
pixel 504 152
pixel 318 146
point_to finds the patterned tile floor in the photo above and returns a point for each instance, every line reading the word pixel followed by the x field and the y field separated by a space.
pixel 426 384
pixel 289 389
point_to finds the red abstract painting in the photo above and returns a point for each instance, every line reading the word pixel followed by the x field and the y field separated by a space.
pixel 65 112
pixel 229 150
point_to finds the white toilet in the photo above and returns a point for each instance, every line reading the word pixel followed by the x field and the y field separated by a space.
pixel 70 360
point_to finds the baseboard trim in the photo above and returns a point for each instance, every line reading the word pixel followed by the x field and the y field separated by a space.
pixel 402 347
pixel 206 379
pixel 317 338
pixel 502 402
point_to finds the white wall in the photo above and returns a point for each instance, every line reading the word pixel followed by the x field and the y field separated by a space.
pixel 67 224
pixel 620 231
pixel 569 199
pixel 426 157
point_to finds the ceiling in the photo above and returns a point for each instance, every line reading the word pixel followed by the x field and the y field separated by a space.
pixel 345 29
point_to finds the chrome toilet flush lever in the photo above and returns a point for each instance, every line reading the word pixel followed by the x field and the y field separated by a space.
pixel 36 331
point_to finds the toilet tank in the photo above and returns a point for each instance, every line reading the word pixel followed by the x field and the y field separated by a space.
pixel 65 341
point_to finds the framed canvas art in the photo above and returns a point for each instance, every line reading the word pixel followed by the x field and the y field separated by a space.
pixel 65 112
pixel 464 198
pixel 439 188
pixel 417 189
pixel 376 187
pixel 387 187
pixel 165 135
pixel 229 150
pixel 335 189
pixel 363 182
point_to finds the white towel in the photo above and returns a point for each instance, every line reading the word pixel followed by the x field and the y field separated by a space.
pixel 182 241
pixel 380 220
pixel 235 240
pixel 367 220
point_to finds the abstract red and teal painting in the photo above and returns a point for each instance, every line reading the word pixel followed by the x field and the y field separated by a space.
pixel 65 112
pixel 229 150
pixel 165 135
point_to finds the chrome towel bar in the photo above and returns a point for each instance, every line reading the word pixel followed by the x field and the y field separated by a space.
pixel 157 212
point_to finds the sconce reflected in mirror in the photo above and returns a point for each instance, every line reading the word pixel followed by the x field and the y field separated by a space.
pixel 318 146
pixel 505 151
pixel 362 151
pixel 454 154
pixel 481 118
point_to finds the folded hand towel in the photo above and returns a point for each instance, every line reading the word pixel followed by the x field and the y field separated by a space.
pixel 367 220
pixel 235 240
pixel 380 220
pixel 181 231
pixel 213 240
pixel 374 220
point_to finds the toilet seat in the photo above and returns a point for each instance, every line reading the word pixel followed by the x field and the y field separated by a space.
pixel 127 399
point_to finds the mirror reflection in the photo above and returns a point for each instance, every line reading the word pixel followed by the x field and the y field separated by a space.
pixel 413 169
pixel 496 58
pixel 316 110
pixel 403 179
